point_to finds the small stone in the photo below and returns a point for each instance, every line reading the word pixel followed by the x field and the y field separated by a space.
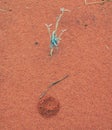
pixel 10 10
pixel 36 43
pixel 85 25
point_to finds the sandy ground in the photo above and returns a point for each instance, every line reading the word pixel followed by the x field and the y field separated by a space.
pixel 26 69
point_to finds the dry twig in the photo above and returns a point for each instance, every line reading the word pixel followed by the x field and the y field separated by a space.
pixel 51 85
pixel 97 2
pixel 3 10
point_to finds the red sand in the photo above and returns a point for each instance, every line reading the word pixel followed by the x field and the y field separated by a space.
pixel 26 69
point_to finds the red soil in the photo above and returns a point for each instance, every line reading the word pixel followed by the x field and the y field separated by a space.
pixel 26 69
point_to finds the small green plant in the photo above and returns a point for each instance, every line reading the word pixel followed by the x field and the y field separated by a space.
pixel 54 39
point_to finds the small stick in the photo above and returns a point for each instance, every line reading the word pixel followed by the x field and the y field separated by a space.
pixel 48 28
pixel 86 3
pixel 107 46
pixel 51 85
pixel 51 51
pixel 3 10
pixel 61 34
pixel 59 17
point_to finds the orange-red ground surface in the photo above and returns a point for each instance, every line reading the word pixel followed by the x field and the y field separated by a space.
pixel 26 69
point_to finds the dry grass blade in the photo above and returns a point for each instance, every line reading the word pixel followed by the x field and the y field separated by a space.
pixel 48 28
pixel 97 2
pixel 51 85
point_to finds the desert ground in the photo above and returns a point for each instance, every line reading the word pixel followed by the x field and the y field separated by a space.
pixel 26 69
